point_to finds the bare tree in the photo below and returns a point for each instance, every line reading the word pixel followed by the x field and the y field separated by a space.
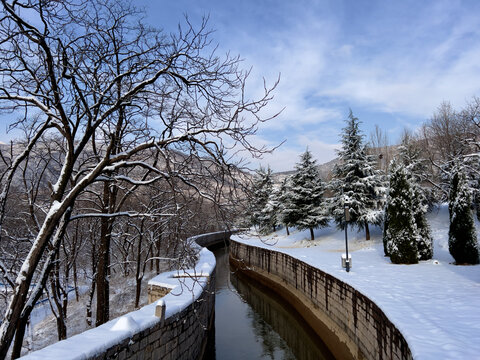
pixel 379 146
pixel 93 76
pixel 446 137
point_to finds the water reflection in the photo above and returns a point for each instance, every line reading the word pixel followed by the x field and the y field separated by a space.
pixel 251 322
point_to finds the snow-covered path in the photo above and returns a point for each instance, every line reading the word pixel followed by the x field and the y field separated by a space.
pixel 435 304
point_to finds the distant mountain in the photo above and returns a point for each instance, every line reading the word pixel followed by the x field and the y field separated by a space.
pixel 325 171
pixel 384 156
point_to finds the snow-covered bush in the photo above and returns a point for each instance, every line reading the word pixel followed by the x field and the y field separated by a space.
pixel 462 237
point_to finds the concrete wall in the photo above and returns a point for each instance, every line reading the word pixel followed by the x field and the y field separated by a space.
pixel 174 327
pixel 350 323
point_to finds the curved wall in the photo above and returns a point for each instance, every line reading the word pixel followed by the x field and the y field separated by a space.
pixel 351 324
pixel 174 326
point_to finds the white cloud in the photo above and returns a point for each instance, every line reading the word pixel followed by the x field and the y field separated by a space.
pixel 300 57
pixel 393 61
pixel 321 151
pixel 287 155
pixel 429 60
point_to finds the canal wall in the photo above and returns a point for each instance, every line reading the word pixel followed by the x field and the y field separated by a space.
pixel 174 325
pixel 352 326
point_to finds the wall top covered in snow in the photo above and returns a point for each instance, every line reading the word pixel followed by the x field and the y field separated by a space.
pixel 187 286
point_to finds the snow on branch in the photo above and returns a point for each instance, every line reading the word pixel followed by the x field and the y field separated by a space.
pixel 121 213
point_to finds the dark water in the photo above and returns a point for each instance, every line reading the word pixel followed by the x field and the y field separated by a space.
pixel 252 322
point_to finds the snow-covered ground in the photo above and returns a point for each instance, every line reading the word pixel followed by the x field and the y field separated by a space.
pixel 435 304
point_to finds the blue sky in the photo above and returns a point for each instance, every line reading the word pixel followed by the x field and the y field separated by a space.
pixel 392 62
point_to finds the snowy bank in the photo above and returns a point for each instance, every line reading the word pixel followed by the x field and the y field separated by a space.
pixel 434 303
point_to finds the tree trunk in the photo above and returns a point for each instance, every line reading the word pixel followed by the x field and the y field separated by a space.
pixel 138 289
pixel 312 236
pixel 103 293
pixel 367 232
pixel 89 304
pixel 103 268
pixel 158 245
pixel 138 271
pixel 27 310
pixel 61 327
pixel 75 281
pixel 19 297
pixel 74 263
pixel 102 280
pixel 19 308
pixel 59 297
pixel 288 232
pixel 19 334
pixel 91 293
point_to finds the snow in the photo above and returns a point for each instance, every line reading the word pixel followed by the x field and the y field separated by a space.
pixel 434 303
pixel 186 288
pixel 126 323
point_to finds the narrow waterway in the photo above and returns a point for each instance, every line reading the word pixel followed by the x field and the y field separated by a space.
pixel 252 322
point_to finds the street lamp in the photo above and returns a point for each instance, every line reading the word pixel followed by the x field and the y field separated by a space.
pixel 346 212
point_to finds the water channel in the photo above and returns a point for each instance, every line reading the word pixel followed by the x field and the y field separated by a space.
pixel 252 322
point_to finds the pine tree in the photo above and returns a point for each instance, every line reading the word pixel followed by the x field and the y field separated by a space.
pixel 477 198
pixel 420 207
pixel 400 237
pixel 409 154
pixel 308 210
pixel 462 237
pixel 356 182
pixel 270 213
pixel 286 213
pixel 262 213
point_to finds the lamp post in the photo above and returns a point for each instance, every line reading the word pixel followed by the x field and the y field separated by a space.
pixel 346 212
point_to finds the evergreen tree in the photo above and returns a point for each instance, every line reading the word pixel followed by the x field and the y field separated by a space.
pixel 270 213
pixel 286 212
pixel 409 154
pixel 400 237
pixel 462 237
pixel 356 181
pixel 262 212
pixel 477 198
pixel 420 207
pixel 307 207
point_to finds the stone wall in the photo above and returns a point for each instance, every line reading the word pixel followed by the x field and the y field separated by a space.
pixel 181 336
pixel 175 327
pixel 346 318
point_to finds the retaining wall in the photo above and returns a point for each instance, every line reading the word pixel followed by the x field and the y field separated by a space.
pixel 346 318
pixel 174 326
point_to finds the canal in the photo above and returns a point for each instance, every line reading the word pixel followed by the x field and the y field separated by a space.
pixel 252 322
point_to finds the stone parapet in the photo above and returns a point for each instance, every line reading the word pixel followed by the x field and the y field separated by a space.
pixel 179 329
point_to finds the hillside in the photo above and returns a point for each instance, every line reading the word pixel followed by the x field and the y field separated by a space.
pixel 383 154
